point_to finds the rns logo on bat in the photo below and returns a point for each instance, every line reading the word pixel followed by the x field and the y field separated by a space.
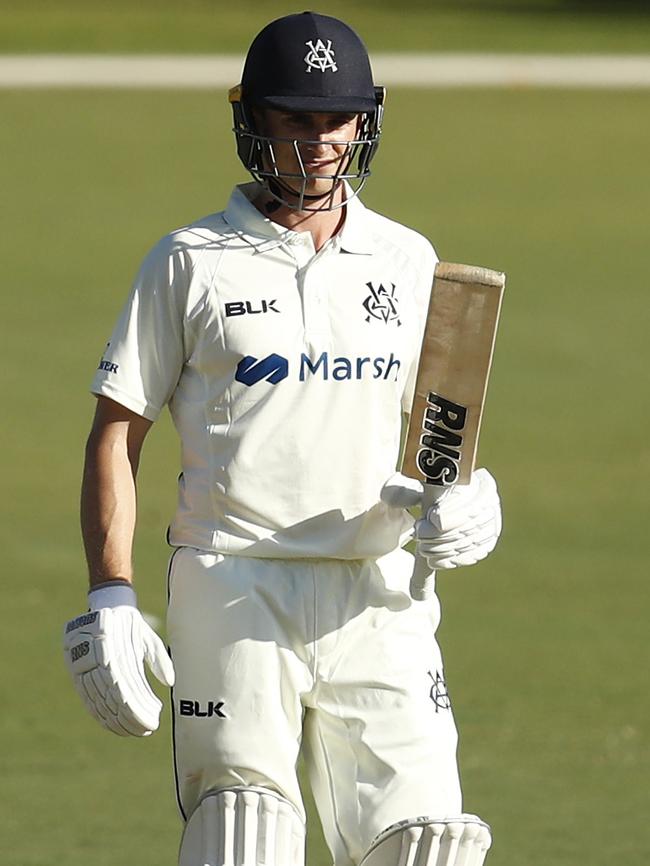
pixel 274 368
pixel 441 440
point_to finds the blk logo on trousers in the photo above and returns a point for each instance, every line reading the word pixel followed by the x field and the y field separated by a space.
pixel 205 711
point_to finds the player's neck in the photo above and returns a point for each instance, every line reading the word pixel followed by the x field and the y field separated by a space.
pixel 323 224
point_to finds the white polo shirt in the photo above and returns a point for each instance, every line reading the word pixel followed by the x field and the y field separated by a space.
pixel 285 371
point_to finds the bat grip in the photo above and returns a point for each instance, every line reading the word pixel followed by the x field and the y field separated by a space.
pixel 423 579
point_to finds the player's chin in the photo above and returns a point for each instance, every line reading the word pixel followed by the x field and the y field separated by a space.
pixel 321 187
pixel 316 191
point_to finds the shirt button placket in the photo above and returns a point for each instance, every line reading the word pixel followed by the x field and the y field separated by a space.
pixel 314 319
pixel 317 330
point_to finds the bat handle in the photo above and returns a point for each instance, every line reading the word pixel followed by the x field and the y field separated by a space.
pixel 423 579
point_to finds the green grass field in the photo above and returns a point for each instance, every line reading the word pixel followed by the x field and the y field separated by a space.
pixel 387 25
pixel 546 642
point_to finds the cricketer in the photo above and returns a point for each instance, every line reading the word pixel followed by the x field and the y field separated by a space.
pixel 283 335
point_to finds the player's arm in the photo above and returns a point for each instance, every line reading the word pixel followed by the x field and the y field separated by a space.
pixel 108 493
pixel 106 648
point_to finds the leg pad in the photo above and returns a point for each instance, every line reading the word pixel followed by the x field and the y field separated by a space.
pixel 243 826
pixel 457 841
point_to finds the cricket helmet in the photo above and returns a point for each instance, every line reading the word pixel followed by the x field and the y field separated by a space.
pixel 306 63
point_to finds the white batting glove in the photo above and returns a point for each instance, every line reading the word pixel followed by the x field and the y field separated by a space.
pixel 105 650
pixel 460 528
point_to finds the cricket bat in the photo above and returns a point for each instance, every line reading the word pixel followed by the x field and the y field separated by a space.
pixel 455 359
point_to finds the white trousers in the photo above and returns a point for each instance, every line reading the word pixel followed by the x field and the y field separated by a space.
pixel 331 654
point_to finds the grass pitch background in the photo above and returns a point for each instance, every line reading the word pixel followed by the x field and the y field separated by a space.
pixel 387 25
pixel 546 642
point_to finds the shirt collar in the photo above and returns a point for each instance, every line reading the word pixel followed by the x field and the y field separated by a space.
pixel 242 216
pixel 355 237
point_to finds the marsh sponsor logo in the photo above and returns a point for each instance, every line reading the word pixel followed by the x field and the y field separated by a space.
pixel 274 368
pixel 341 368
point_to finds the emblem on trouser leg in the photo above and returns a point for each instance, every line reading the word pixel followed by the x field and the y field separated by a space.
pixel 243 826
pixel 456 841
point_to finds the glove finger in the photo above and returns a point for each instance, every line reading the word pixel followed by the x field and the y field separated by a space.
pixel 475 512
pixel 88 700
pixel 400 491
pixel 158 658
pixel 462 501
pixel 451 510
pixel 138 716
pixel 458 541
pixel 455 559
pixel 470 557
pixel 140 706
pixel 425 529
pixel 110 705
pixel 134 724
pixel 96 705
pixel 440 563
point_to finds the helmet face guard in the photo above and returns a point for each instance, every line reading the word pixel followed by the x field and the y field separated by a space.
pixel 257 152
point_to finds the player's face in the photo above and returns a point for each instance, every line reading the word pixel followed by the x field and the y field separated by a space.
pixel 311 144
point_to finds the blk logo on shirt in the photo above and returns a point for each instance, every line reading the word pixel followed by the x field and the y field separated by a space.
pixel 242 308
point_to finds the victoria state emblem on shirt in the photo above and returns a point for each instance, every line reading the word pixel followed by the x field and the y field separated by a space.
pixel 381 304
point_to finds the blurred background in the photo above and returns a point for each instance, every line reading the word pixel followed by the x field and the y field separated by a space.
pixel 546 642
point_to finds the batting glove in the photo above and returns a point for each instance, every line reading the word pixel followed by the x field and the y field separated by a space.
pixel 460 528
pixel 105 650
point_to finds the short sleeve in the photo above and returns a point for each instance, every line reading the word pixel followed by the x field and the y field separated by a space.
pixel 144 357
pixel 422 292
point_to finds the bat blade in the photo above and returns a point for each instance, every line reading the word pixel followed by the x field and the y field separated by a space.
pixel 452 378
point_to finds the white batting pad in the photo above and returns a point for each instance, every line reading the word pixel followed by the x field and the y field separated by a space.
pixel 243 826
pixel 461 841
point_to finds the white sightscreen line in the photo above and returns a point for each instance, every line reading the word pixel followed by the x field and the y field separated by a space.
pixel 412 70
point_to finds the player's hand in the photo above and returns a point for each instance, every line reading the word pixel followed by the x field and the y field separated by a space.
pixel 105 650
pixel 463 526
pixel 460 528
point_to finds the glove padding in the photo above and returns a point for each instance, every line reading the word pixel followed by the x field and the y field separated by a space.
pixel 460 528
pixel 105 651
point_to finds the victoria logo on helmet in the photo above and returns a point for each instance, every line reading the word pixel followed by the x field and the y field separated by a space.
pixel 320 56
